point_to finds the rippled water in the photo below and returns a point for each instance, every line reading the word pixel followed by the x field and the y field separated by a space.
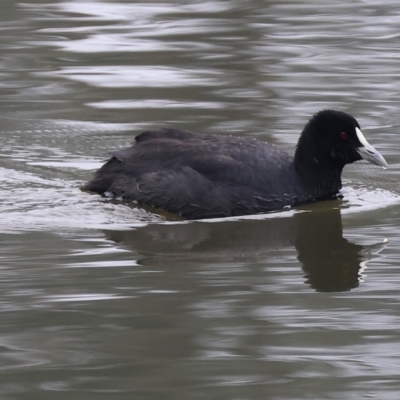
pixel 100 299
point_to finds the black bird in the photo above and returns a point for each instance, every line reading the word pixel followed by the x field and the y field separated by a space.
pixel 210 176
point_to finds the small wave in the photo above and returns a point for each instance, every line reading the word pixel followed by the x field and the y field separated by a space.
pixel 361 199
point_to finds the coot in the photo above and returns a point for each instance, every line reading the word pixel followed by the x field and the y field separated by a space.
pixel 210 176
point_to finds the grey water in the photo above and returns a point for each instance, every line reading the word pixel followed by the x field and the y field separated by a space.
pixel 100 299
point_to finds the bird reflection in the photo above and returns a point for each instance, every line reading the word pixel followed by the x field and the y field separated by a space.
pixel 330 262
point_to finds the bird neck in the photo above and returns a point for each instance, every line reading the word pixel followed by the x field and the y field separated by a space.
pixel 319 182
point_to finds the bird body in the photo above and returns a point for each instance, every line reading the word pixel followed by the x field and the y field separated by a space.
pixel 209 176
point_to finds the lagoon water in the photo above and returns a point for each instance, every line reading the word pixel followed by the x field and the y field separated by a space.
pixel 103 300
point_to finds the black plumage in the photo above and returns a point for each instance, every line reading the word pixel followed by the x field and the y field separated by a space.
pixel 209 176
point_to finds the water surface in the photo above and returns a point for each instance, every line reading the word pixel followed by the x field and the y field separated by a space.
pixel 100 299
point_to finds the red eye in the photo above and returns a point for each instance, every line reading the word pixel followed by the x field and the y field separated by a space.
pixel 343 135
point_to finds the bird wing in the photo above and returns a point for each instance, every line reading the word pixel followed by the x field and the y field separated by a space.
pixel 195 175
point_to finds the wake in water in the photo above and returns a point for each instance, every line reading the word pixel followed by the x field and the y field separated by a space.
pixel 29 201
pixel 361 199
